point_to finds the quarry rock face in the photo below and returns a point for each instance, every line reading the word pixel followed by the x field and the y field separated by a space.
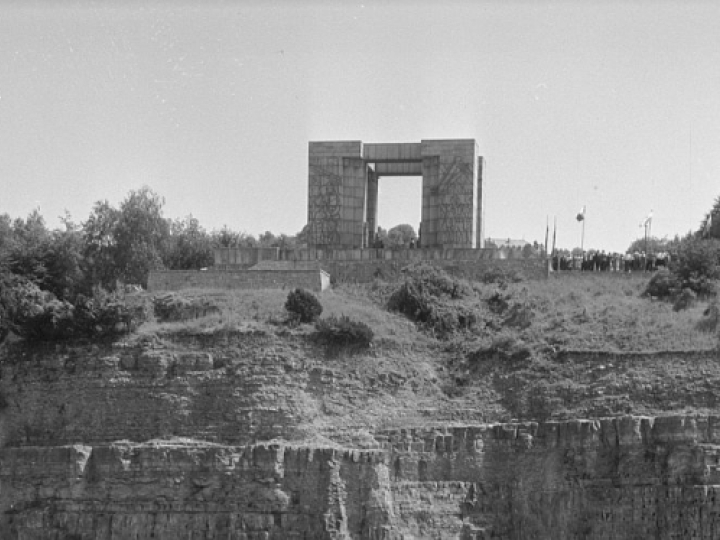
pixel 146 442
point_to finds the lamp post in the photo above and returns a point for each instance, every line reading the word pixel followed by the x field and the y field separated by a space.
pixel 647 223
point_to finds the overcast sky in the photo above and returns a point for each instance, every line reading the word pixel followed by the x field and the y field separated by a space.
pixel 612 105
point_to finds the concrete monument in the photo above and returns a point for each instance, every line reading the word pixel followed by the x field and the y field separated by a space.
pixel 343 191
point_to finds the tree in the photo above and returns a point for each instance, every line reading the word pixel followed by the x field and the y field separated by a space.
pixel 100 244
pixel 226 238
pixel 189 246
pixel 301 238
pixel 710 225
pixel 65 265
pixel 654 245
pixel 400 236
pixel 125 244
pixel 27 248
pixel 381 236
pixel 141 233
pixel 268 239
pixel 698 264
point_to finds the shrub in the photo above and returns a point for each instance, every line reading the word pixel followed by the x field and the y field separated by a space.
pixel 410 300
pixel 498 302
pixel 501 276
pixel 685 300
pixel 519 315
pixel 711 318
pixel 42 317
pixel 663 284
pixel 435 281
pixel 175 307
pixel 303 306
pixel 45 318
pixel 344 332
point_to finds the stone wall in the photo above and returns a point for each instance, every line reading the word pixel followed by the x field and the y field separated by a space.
pixel 363 265
pixel 366 271
pixel 173 280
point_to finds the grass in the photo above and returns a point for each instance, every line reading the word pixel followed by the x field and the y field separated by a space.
pixel 516 361
pixel 571 311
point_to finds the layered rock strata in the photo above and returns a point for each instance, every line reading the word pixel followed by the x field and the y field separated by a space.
pixel 146 442
pixel 603 479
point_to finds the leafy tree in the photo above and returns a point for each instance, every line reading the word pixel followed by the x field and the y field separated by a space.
pixel 100 249
pixel 189 245
pixel 125 244
pixel 710 225
pixel 267 239
pixel 381 236
pixel 698 264
pixel 400 236
pixel 6 232
pixel 654 245
pixel 141 235
pixel 27 246
pixel 226 238
pixel 301 238
pixel 65 265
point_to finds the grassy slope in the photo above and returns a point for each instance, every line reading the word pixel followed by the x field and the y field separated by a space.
pixel 498 369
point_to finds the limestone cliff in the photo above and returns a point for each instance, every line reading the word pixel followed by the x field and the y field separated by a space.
pixel 244 436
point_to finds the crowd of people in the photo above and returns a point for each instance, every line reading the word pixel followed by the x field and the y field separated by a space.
pixel 599 261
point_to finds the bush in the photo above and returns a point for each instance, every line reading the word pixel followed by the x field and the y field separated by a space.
pixel 711 318
pixel 344 332
pixel 426 298
pixel 411 301
pixel 303 306
pixel 501 276
pixel 42 317
pixel 435 281
pixel 175 307
pixel 498 302
pixel 519 315
pixel 685 300
pixel 663 284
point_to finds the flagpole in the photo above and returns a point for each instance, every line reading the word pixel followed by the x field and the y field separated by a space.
pixel 582 237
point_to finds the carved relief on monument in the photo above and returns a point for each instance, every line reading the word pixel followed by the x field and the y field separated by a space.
pixel 325 201
pixel 455 202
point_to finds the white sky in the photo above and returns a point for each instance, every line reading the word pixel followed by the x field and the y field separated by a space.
pixel 611 105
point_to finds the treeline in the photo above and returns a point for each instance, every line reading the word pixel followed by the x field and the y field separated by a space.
pixel 70 281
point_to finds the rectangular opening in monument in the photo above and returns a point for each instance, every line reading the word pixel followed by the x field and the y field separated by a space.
pixel 399 201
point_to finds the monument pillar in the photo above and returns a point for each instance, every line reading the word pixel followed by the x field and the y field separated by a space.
pixel 352 215
pixel 333 197
pixel 480 210
pixel 372 205
pixel 450 193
